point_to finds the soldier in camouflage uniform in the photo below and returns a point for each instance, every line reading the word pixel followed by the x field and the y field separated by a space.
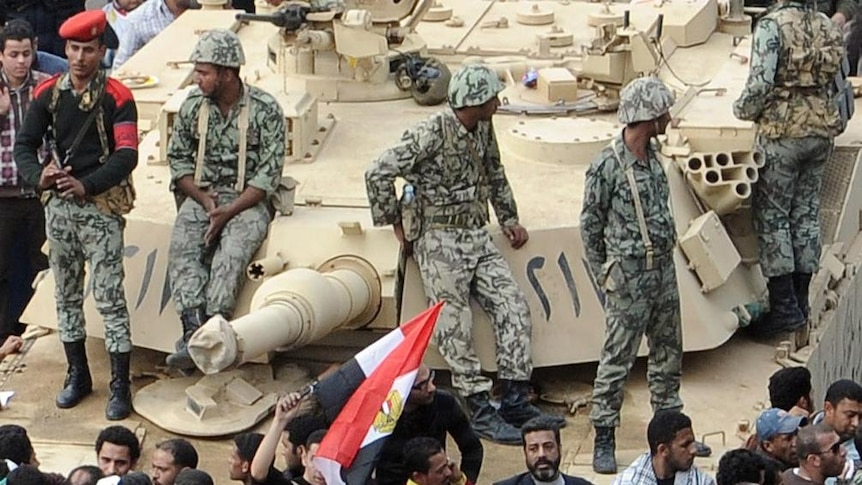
pixel 452 163
pixel 629 236
pixel 792 99
pixel 92 120
pixel 226 154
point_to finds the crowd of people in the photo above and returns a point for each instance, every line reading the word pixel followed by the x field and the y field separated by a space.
pixel 792 443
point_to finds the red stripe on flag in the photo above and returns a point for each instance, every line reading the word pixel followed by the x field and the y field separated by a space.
pixel 345 436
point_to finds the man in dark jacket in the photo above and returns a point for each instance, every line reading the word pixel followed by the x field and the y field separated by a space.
pixel 432 413
pixel 543 455
pixel 46 17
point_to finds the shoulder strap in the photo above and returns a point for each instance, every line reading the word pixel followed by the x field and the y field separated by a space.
pixel 242 126
pixel 203 123
pixel 633 186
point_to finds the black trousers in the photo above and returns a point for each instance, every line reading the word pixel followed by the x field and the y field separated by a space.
pixel 22 235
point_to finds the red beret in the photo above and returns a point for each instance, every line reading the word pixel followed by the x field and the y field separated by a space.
pixel 88 25
pixel 85 26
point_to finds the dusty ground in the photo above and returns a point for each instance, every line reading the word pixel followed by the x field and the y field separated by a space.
pixel 720 388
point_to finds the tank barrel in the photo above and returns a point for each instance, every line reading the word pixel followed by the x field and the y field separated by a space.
pixel 289 310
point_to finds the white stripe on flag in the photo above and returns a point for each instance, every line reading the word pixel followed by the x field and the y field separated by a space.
pixel 372 356
pixel 330 469
pixel 402 385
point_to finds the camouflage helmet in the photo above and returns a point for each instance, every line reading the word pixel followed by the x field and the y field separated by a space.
pixel 220 47
pixel 473 85
pixel 644 99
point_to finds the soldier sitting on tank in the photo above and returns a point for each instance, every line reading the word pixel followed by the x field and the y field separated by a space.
pixel 453 165
pixel 226 154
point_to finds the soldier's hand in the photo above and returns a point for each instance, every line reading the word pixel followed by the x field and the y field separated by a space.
pixel 69 186
pixel 50 174
pixel 218 219
pixel 208 201
pixel 11 345
pixel 517 235
pixel 5 101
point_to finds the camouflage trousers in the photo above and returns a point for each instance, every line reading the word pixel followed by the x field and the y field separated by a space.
pixel 77 232
pixel 456 264
pixel 209 278
pixel 639 302
pixel 786 204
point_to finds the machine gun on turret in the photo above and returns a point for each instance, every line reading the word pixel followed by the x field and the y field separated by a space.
pixel 291 18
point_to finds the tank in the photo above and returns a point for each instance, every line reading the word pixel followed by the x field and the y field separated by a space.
pixel 349 79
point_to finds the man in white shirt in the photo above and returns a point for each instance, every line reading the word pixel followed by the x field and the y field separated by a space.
pixel 144 23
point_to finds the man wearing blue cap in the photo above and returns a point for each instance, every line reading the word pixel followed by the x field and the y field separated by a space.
pixel 776 438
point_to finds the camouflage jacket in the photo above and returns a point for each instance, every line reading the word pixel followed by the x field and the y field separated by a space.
pixel 443 170
pixel 796 53
pixel 265 142
pixel 609 222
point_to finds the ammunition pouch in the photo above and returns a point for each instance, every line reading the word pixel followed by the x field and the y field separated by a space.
pixel 119 200
pixel 282 200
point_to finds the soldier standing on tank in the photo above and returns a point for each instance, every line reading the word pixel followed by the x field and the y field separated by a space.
pixel 453 165
pixel 791 98
pixel 92 120
pixel 629 236
pixel 226 154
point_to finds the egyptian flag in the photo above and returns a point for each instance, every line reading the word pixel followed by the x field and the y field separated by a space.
pixel 364 398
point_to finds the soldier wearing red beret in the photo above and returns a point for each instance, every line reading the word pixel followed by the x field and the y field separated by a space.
pixel 92 122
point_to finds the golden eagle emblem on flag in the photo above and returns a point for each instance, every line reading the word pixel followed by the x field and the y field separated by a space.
pixel 389 413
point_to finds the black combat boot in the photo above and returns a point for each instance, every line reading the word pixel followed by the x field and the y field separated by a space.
pixel 801 282
pixel 488 424
pixel 192 320
pixel 604 448
pixel 515 406
pixel 78 382
pixel 120 402
pixel 784 313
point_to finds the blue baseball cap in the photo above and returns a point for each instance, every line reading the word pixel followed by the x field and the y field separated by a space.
pixel 776 421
